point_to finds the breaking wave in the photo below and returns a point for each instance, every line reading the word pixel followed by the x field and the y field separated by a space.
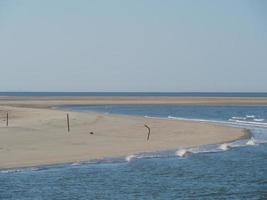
pixel 225 147
pixel 183 153
pixel 25 169
pixel 234 121
pixel 130 157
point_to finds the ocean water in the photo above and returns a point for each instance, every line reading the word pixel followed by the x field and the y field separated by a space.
pixel 236 170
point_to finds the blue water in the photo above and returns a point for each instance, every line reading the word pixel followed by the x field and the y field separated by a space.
pixel 236 170
pixel 191 112
pixel 142 94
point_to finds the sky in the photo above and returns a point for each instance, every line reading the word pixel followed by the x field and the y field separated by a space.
pixel 133 46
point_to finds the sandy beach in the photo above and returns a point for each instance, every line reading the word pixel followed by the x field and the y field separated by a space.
pixel 38 135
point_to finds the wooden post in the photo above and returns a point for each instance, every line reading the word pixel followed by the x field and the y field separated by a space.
pixel 68 122
pixel 7 119
pixel 148 134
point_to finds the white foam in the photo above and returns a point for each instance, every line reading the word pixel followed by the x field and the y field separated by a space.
pixel 171 117
pixel 19 170
pixel 250 123
pixel 130 157
pixel 258 120
pixel 76 163
pixel 225 147
pixel 250 116
pixel 196 120
pixel 10 171
pixel 251 142
pixel 154 117
pixel 239 118
pixel 183 153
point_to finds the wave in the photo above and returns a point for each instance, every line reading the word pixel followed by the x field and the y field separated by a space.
pixel 183 153
pixel 193 119
pixel 251 143
pixel 7 171
pixel 130 157
pixel 10 171
pixel 75 164
pixel 248 118
pixel 258 120
pixel 239 118
pixel 150 117
pixel 253 123
pixel 231 122
pixel 187 152
pixel 225 147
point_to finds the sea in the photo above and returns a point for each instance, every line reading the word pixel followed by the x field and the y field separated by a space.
pixel 234 170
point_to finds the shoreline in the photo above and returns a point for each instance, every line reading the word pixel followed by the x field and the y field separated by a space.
pixel 38 136
pixel 246 135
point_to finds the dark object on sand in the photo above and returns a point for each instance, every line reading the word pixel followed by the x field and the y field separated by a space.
pixel 92 133
pixel 7 119
pixel 148 134
pixel 68 122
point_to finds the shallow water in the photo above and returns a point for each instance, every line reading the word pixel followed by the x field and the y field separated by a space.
pixel 235 170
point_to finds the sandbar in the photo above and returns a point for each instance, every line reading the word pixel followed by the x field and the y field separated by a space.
pixel 38 135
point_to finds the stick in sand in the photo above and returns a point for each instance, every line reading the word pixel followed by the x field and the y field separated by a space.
pixel 148 134
pixel 7 119
pixel 68 122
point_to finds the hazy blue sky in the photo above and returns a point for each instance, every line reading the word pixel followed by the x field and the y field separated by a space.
pixel 137 45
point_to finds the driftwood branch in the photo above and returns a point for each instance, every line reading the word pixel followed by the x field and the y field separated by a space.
pixel 148 134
